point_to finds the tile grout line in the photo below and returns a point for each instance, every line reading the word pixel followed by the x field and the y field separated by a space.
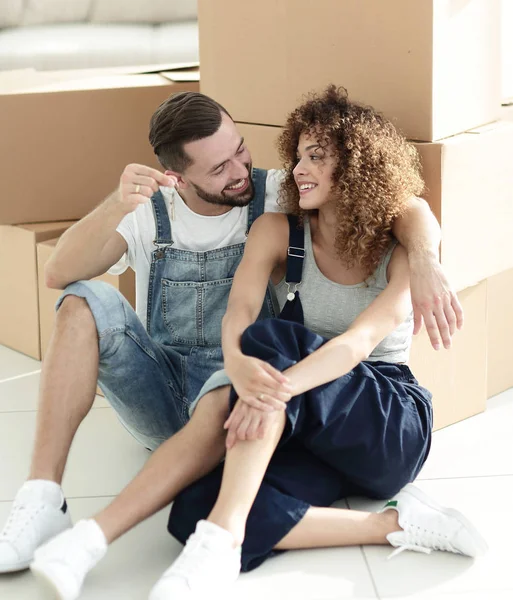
pixel 20 376
pixel 374 586
pixel 35 410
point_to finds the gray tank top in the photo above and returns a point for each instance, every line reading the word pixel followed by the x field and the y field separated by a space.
pixel 329 308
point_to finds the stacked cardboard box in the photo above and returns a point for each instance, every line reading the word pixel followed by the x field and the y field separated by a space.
pixel 65 138
pixel 432 67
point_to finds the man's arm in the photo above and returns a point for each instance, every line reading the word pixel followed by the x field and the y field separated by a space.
pixel 434 301
pixel 93 245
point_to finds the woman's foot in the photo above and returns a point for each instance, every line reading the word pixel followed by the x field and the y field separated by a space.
pixel 65 560
pixel 207 566
pixel 427 526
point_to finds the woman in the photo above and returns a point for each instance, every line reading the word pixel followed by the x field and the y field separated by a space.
pixel 347 414
pixel 352 401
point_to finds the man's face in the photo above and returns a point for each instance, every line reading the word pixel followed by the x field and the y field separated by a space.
pixel 221 169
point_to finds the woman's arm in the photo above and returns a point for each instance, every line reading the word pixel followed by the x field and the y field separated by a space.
pixel 265 249
pixel 433 298
pixel 341 354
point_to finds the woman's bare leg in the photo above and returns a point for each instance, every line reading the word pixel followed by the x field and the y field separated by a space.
pixel 328 527
pixel 188 455
pixel 244 470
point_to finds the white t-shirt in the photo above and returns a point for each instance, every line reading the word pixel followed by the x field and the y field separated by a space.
pixel 190 231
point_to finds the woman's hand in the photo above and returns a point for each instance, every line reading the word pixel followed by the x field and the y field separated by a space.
pixel 245 423
pixel 258 384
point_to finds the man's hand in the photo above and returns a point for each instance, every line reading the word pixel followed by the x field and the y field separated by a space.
pixel 258 384
pixel 138 184
pixel 434 301
pixel 245 423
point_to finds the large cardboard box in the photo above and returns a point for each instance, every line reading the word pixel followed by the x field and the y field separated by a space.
pixel 261 142
pixel 48 297
pixel 500 332
pixel 457 378
pixel 432 65
pixel 469 180
pixel 66 137
pixel 19 307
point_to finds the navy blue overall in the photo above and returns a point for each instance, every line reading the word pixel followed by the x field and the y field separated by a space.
pixel 366 433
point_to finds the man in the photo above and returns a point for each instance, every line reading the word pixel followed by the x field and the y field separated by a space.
pixel 185 246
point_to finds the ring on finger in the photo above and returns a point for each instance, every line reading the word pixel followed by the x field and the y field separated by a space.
pixel 137 188
pixel 260 396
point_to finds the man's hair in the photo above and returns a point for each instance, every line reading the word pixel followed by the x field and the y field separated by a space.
pixel 182 118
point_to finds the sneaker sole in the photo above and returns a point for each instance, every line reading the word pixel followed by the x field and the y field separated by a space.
pixel 479 541
pixel 48 583
pixel 22 566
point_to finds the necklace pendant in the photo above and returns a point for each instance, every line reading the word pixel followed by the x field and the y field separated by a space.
pixel 291 296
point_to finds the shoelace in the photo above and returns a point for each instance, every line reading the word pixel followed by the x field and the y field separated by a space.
pixel 419 540
pixel 21 515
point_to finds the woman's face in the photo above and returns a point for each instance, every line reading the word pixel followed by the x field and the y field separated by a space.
pixel 313 172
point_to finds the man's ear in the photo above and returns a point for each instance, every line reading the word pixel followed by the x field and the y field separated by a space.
pixel 181 183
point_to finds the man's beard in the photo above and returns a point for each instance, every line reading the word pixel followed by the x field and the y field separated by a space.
pixel 225 198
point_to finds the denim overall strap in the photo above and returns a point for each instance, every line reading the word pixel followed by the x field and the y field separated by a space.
pixel 163 235
pixel 257 206
pixel 293 310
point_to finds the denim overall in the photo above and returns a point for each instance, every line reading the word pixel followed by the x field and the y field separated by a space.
pixel 366 433
pixel 150 377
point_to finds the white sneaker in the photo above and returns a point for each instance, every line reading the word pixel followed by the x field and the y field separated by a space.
pixel 64 562
pixel 38 513
pixel 206 567
pixel 428 526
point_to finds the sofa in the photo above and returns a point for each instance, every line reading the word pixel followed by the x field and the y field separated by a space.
pixel 76 34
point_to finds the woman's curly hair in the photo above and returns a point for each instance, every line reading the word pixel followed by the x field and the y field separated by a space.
pixel 377 171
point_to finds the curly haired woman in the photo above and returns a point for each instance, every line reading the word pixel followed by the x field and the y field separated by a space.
pixel 320 403
pixel 339 352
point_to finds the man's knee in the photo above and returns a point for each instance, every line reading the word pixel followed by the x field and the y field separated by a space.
pixel 75 309
pixel 214 406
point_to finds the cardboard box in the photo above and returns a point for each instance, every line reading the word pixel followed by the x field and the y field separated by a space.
pixel 469 180
pixel 65 138
pixel 457 378
pixel 19 308
pixel 125 283
pixel 261 141
pixel 431 65
pixel 500 332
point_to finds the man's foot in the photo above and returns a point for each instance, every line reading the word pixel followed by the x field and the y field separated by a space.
pixel 39 512
pixel 64 562
pixel 206 567
pixel 428 526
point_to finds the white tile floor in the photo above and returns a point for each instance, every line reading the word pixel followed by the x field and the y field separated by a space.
pixel 470 467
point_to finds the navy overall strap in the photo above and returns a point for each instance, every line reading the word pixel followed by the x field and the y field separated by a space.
pixel 257 205
pixel 293 310
pixel 295 251
pixel 163 235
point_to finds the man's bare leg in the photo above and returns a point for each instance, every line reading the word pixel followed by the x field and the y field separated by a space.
pixel 188 455
pixel 68 385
